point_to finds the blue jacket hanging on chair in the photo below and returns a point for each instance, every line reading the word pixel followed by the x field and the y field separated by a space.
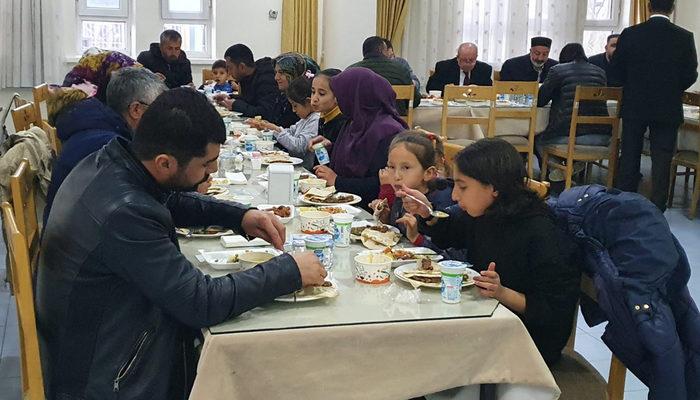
pixel 640 272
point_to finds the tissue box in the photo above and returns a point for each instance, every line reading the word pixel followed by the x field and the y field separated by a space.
pixel 280 188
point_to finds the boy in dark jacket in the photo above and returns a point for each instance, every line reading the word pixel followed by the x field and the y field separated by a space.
pixel 167 60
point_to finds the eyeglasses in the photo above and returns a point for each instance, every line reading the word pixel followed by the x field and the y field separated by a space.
pixel 143 104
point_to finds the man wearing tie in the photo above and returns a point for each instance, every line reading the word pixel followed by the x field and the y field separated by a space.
pixel 462 70
pixel 655 62
pixel 531 67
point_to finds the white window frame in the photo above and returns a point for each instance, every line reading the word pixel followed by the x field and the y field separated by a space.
pixel 206 18
pixel 121 12
pixel 205 15
pixel 123 15
pixel 612 23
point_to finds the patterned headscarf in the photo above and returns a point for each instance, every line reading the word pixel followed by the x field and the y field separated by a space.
pixel 95 67
pixel 294 65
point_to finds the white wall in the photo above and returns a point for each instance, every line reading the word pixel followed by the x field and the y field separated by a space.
pixel 346 24
pixel 688 16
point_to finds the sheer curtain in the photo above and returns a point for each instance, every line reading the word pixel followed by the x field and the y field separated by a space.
pixel 501 28
pixel 30 45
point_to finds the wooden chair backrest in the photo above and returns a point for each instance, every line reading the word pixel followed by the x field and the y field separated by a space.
pixel 51 132
pixel 21 269
pixel 41 95
pixel 496 75
pixel 207 75
pixel 466 93
pixel 24 116
pixel 451 151
pixel 406 92
pixel 541 188
pixel 23 191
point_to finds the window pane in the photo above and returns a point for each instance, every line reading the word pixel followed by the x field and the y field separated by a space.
pixel 594 41
pixel 185 6
pixel 193 36
pixel 599 10
pixel 111 4
pixel 104 35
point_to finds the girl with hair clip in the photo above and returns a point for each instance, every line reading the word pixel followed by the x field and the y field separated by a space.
pixel 509 235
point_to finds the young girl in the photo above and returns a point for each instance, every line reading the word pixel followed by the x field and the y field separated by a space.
pixel 295 139
pixel 413 162
pixel 510 236
pixel 323 100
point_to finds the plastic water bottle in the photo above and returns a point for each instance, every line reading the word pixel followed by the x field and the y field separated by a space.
pixel 321 154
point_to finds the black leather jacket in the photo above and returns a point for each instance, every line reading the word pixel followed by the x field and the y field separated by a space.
pixel 117 303
pixel 560 88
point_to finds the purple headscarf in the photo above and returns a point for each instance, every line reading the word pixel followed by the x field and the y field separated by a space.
pixel 96 68
pixel 368 100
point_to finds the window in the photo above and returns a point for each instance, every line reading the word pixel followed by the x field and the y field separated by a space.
pixel 104 24
pixel 192 18
pixel 602 19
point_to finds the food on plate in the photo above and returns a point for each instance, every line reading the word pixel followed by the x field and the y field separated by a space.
pixel 214 190
pixel 338 198
pixel 399 254
pixel 277 159
pixel 209 230
pixel 280 211
pixel 233 258
pixel 425 265
pixel 333 210
pixel 371 238
pixel 253 258
pixel 357 231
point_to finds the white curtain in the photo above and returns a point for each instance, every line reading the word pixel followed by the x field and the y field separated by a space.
pixel 433 33
pixel 30 46
pixel 501 28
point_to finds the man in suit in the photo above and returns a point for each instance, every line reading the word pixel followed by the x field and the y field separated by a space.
pixel 656 62
pixel 462 70
pixel 531 67
pixel 602 60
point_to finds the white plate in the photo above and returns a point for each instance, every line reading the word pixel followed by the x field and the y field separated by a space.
pixel 264 176
pixel 220 181
pixel 420 250
pixel 348 208
pixel 185 232
pixel 219 259
pixel 216 190
pixel 292 211
pixel 293 161
pixel 311 293
pixel 400 270
pixel 357 224
pixel 356 199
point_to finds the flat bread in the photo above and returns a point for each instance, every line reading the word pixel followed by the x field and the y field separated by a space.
pixel 320 193
pixel 376 240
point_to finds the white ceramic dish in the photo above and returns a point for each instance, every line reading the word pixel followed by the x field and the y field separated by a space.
pixel 401 270
pixel 311 293
pixel 222 260
pixel 186 232
pixel 423 252
pixel 292 160
pixel 292 211
pixel 347 209
pixel 356 199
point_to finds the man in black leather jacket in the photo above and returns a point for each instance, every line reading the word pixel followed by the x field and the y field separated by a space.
pixel 118 305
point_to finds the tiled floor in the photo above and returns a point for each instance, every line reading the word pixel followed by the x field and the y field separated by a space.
pixel 588 341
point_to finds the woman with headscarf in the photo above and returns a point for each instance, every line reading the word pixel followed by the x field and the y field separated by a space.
pixel 362 146
pixel 288 66
pixel 95 67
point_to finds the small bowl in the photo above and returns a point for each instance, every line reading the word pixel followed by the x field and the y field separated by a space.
pixel 307 184
pixel 265 145
pixel 372 268
pixel 253 258
pixel 315 222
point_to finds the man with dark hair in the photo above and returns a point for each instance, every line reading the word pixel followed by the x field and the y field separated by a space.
pixel 374 58
pixel 118 305
pixel 655 62
pixel 603 59
pixel 258 89
pixel 531 67
pixel 389 53
pixel 167 60
pixel 462 70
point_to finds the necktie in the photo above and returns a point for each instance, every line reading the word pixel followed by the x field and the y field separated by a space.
pixel 466 80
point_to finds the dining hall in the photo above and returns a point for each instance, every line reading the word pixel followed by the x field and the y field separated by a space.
pixel 325 199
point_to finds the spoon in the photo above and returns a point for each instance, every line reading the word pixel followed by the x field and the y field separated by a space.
pixel 433 213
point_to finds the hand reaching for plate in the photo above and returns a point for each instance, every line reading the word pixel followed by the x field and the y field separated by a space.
pixel 310 268
pixel 265 226
pixel 325 173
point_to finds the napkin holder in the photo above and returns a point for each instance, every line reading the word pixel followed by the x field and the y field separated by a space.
pixel 280 189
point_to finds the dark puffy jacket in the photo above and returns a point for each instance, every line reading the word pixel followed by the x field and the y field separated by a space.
pixel 258 92
pixel 393 72
pixel 83 127
pixel 560 88
pixel 117 303
pixel 641 273
pixel 176 74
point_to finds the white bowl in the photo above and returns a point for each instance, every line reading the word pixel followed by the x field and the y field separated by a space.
pixel 314 222
pixel 307 184
pixel 372 268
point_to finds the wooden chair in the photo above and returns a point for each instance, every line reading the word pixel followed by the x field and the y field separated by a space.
pixel 541 188
pixel 576 377
pixel 688 158
pixel 451 150
pixel 55 142
pixel 207 75
pixel 41 95
pixel 462 94
pixel 406 92
pixel 497 76
pixel 24 116
pixel 23 189
pixel 572 152
pixel 524 144
pixel 20 259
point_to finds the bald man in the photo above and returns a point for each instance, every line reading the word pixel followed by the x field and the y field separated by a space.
pixel 462 70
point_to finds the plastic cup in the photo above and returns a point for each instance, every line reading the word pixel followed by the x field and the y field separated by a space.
pixel 255 160
pixel 452 273
pixel 343 223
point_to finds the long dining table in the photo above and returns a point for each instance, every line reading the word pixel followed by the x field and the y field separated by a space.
pixel 387 341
